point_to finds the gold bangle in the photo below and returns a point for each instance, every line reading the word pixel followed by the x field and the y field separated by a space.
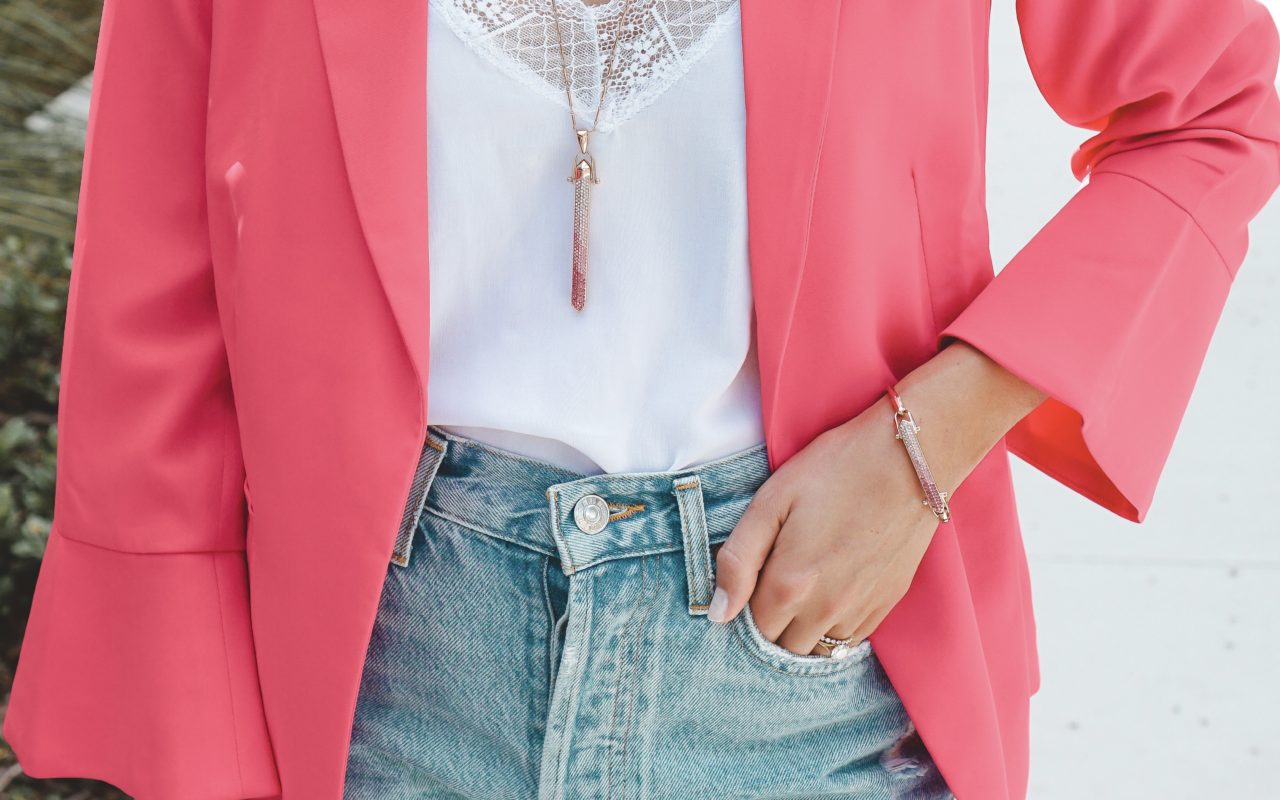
pixel 905 427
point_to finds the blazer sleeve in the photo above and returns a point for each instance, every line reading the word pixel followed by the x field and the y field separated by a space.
pixel 1110 307
pixel 137 665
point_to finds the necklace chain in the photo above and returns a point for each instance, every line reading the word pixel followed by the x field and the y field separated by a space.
pixel 564 68
pixel 584 173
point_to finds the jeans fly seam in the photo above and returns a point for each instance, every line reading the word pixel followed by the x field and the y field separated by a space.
pixel 622 675
pixel 627 671
pixel 653 600
pixel 551 619
pixel 562 545
pixel 565 739
pixel 620 681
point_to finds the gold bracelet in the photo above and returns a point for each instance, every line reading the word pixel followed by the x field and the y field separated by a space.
pixel 905 427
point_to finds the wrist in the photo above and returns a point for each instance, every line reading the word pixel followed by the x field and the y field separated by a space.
pixel 906 430
pixel 964 403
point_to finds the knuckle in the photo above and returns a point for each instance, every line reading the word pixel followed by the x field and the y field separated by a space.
pixel 830 610
pixel 789 587
pixel 767 501
pixel 728 559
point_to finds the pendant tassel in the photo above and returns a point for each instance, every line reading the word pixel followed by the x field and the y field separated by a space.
pixel 582 177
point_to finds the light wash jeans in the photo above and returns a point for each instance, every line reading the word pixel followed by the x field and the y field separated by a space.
pixel 525 653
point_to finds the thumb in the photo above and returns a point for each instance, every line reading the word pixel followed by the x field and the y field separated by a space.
pixel 740 557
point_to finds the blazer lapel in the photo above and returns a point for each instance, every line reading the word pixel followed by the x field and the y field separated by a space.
pixel 788 51
pixel 375 55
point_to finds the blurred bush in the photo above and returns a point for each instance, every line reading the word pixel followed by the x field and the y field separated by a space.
pixel 46 52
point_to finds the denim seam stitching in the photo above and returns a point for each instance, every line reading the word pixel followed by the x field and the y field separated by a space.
pixel 621 679
pixel 551 618
pixel 556 535
pixel 476 443
pixel 631 662
pixel 653 599
pixel 627 510
pixel 433 510
pixel 430 509
pixel 806 669
pixel 626 555
pixel 692 559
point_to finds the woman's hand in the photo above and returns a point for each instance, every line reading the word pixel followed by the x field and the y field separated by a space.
pixel 832 539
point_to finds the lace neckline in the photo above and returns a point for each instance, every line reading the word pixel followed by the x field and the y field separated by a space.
pixel 580 9
pixel 660 41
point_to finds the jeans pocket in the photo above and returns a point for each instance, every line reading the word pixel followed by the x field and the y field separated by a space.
pixel 776 657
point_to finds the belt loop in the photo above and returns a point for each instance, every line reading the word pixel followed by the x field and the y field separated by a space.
pixel 697 543
pixel 429 460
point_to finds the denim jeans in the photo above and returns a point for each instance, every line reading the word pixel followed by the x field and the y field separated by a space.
pixel 536 645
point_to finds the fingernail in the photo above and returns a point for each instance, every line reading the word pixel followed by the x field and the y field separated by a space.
pixel 719 601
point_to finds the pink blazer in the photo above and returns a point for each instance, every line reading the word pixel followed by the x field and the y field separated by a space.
pixel 244 375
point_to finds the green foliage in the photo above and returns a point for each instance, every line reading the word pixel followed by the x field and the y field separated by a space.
pixel 46 48
pixel 33 291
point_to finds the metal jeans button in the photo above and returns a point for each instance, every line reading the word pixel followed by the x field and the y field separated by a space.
pixel 591 513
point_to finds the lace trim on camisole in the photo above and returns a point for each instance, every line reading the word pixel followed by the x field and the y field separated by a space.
pixel 660 41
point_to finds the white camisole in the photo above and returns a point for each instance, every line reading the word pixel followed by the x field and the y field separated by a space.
pixel 658 371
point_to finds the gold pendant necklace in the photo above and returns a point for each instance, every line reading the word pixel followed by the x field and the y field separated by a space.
pixel 584 173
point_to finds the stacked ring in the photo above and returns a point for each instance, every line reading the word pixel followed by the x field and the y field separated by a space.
pixel 836 648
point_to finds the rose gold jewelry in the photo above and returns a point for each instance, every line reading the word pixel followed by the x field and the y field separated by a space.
pixel 905 428
pixel 584 172
pixel 837 648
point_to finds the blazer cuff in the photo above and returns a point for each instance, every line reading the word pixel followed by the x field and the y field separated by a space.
pixel 175 627
pixel 1109 311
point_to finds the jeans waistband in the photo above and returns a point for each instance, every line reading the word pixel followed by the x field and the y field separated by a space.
pixel 586 520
